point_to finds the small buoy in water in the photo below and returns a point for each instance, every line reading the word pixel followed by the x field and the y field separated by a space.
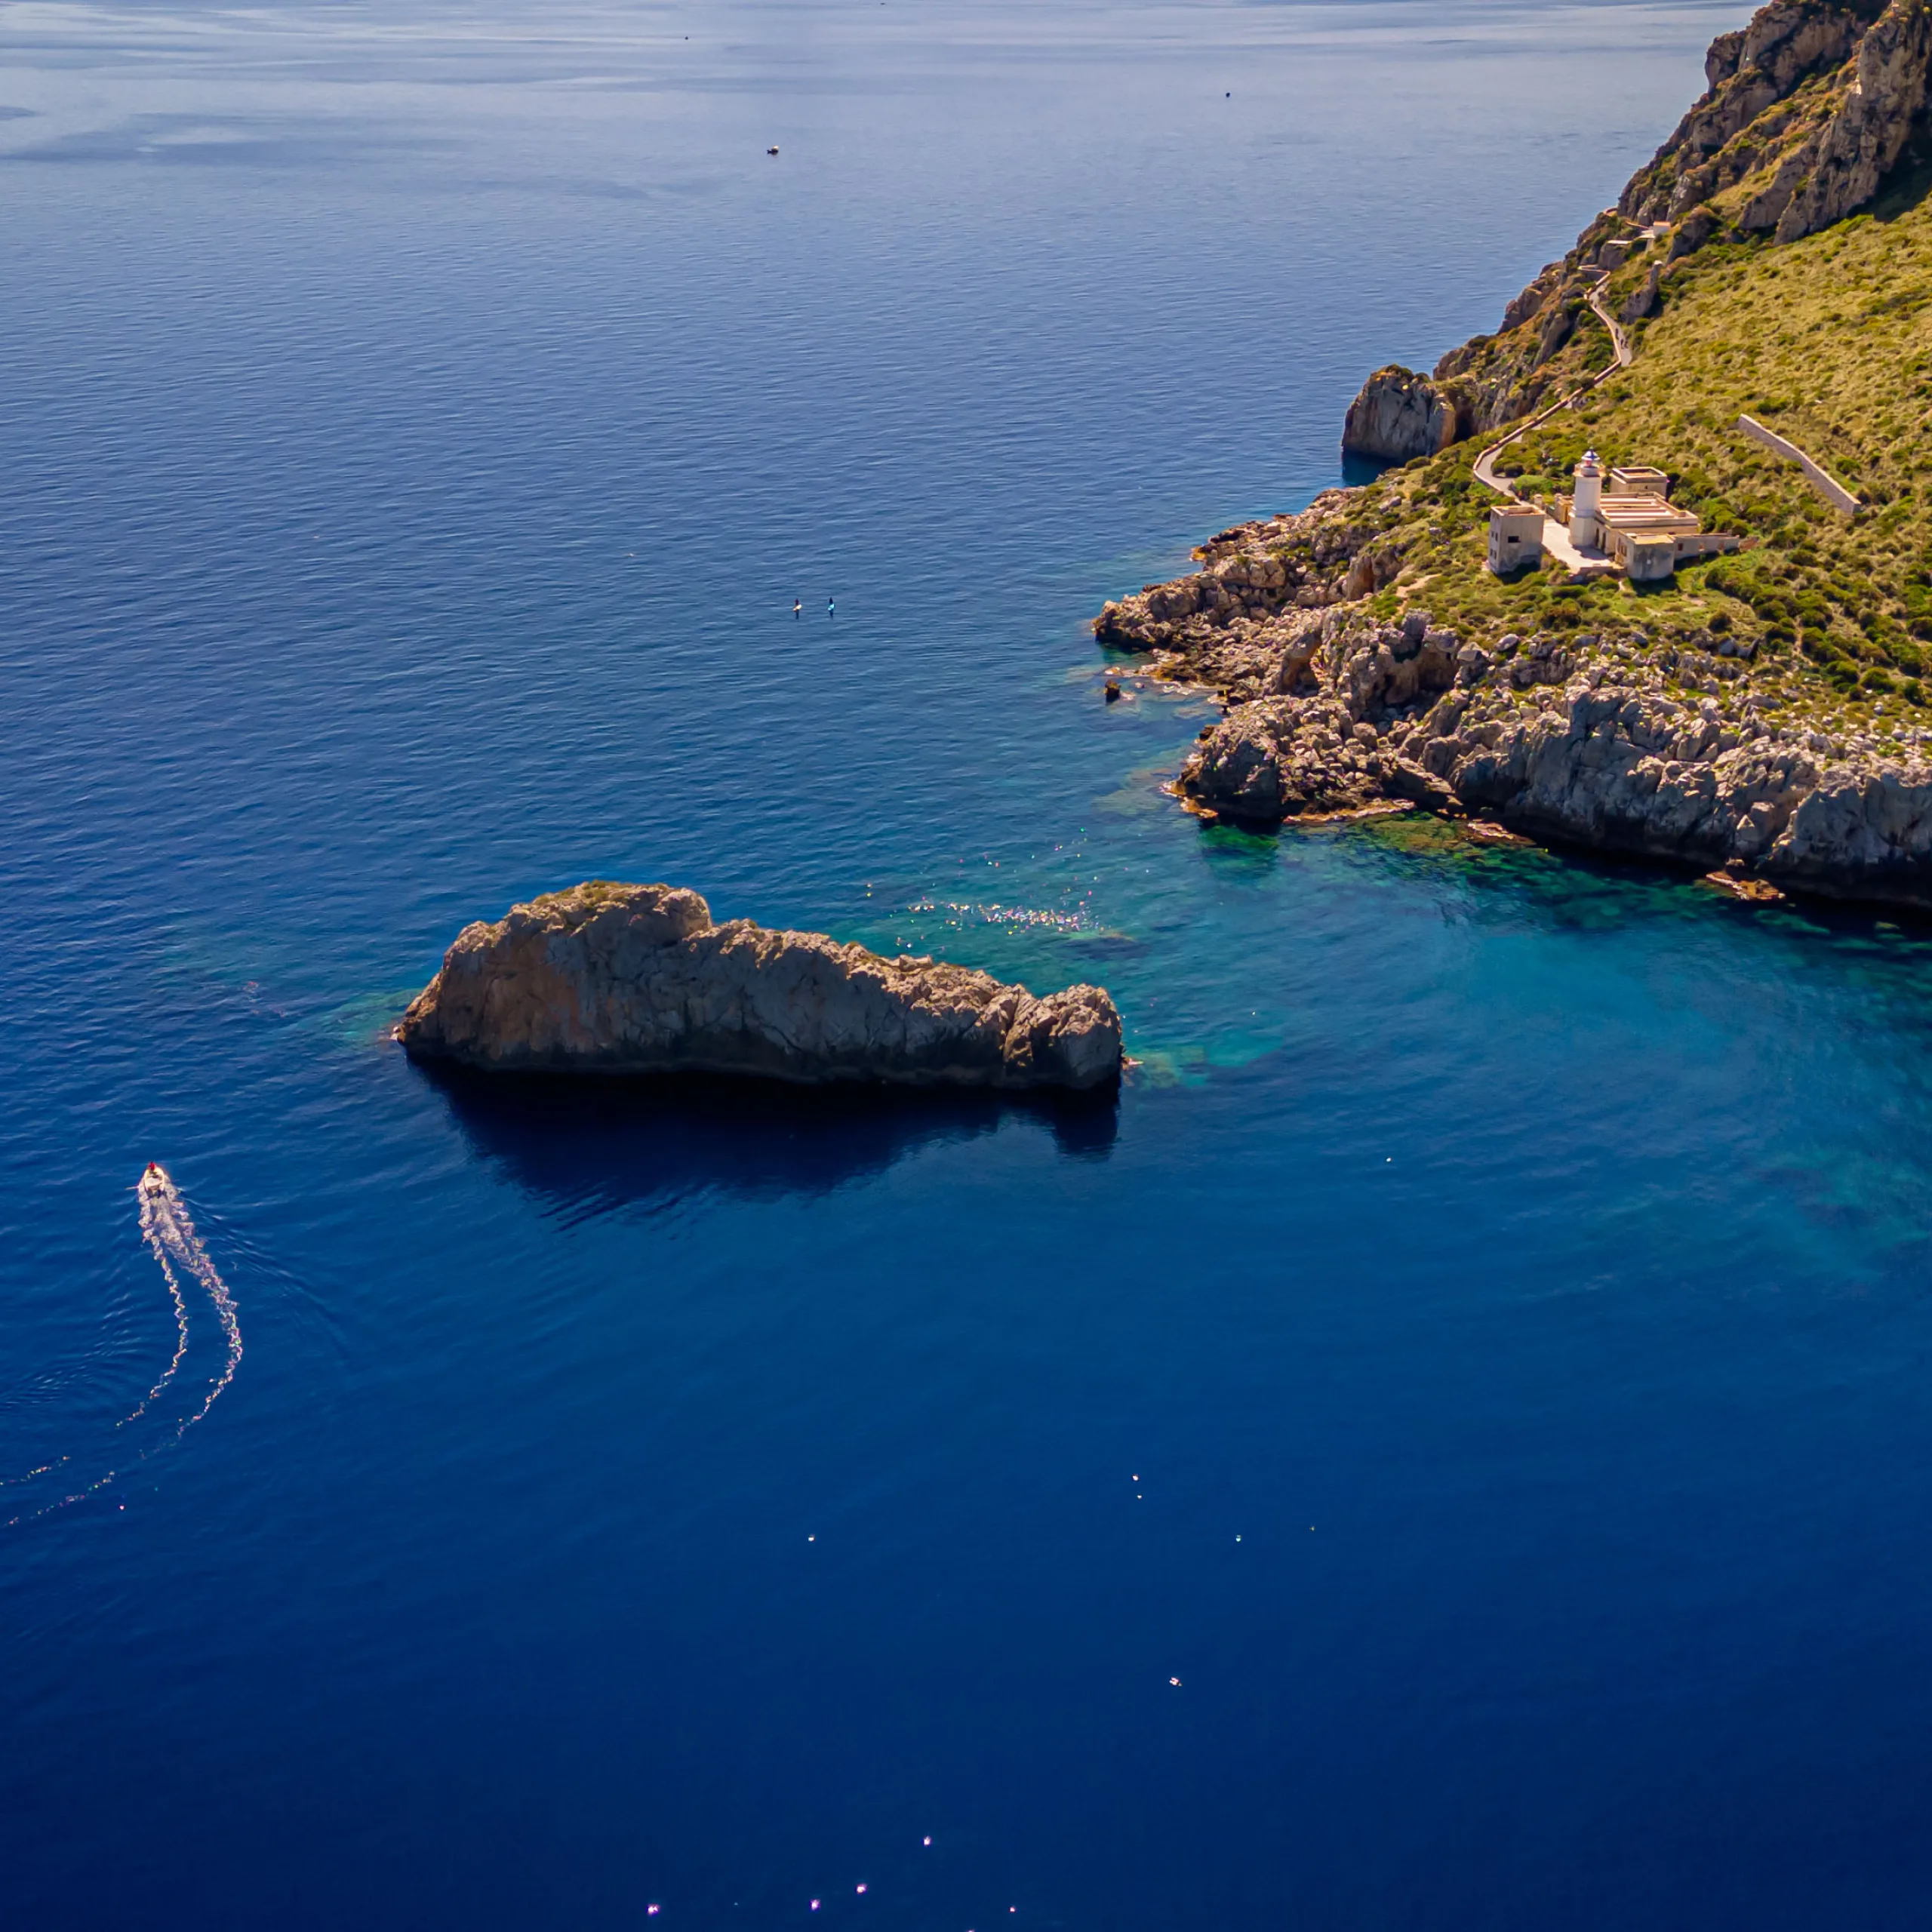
pixel 1113 692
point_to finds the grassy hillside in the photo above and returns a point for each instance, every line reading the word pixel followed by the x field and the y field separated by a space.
pixel 1829 340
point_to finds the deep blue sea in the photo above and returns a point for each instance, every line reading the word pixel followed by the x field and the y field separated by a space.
pixel 1450 1448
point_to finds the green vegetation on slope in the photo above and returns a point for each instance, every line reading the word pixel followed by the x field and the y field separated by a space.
pixel 1829 340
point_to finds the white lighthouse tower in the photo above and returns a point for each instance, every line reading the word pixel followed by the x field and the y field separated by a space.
pixel 1585 527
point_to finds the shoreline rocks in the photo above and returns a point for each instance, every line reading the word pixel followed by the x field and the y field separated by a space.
pixel 1567 740
pixel 1702 748
pixel 1250 616
pixel 611 978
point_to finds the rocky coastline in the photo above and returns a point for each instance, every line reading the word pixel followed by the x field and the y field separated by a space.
pixel 1574 740
pixel 618 979
pixel 1761 719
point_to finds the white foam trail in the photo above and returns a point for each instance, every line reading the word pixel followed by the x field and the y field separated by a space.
pixel 169 1231
pixel 181 1300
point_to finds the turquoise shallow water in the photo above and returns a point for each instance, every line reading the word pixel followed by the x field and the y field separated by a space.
pixel 1480 1356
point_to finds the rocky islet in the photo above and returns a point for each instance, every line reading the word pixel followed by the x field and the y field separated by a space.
pixel 631 978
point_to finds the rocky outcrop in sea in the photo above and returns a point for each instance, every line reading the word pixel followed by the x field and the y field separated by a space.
pixel 609 978
pixel 1398 415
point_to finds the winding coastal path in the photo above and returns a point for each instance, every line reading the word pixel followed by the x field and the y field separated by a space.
pixel 1485 464
pixel 1555 538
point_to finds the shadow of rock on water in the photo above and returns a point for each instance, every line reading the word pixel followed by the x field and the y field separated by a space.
pixel 1357 469
pixel 585 1145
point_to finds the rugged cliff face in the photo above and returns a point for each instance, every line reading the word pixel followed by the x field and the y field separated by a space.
pixel 1580 742
pixel 636 979
pixel 1589 739
pixel 1398 416
pixel 1809 109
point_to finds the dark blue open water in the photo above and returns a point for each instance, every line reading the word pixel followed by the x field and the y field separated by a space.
pixel 1483 1356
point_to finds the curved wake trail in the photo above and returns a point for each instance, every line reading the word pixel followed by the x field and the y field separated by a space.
pixel 169 1231
pixel 180 1301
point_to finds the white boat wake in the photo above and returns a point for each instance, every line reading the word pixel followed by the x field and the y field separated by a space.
pixel 171 1234
pixel 169 1231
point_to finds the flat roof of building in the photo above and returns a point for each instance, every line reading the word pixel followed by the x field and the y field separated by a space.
pixel 1643 510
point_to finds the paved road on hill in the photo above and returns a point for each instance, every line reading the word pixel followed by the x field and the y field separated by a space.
pixel 1619 341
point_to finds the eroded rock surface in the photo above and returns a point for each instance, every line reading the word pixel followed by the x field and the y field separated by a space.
pixel 634 978
pixel 1249 619
pixel 1810 107
pixel 1570 740
pixel 1398 416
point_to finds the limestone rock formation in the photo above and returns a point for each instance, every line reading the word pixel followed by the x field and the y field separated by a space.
pixel 634 978
pixel 1788 48
pixel 1249 621
pixel 1809 110
pixel 1838 165
pixel 1399 415
pixel 1809 107
pixel 1642 300
pixel 1570 747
